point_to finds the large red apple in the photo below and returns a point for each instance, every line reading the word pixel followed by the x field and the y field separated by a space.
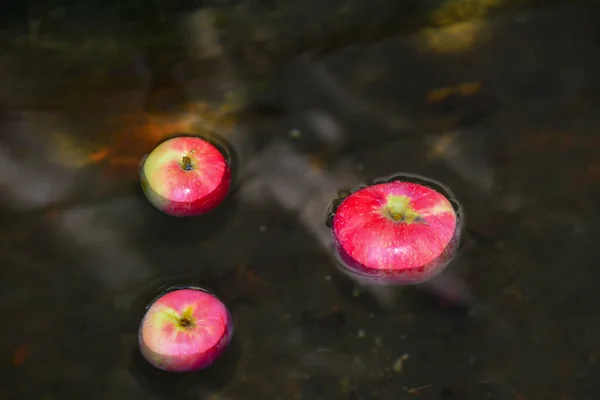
pixel 395 232
pixel 185 176
pixel 185 330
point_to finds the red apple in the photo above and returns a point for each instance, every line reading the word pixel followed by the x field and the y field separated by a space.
pixel 395 233
pixel 185 176
pixel 185 330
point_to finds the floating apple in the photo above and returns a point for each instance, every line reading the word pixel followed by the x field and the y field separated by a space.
pixel 185 330
pixel 395 232
pixel 185 176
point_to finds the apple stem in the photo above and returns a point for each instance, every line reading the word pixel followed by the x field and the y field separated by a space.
pixel 185 322
pixel 186 163
pixel 396 216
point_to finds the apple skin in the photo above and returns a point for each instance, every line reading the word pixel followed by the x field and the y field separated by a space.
pixel 185 176
pixel 185 330
pixel 395 232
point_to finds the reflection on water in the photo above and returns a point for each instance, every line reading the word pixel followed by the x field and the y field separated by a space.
pixel 83 251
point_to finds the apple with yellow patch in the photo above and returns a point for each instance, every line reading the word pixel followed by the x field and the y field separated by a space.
pixel 185 176
pixel 185 330
pixel 395 232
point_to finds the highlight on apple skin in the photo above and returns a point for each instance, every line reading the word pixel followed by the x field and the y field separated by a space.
pixel 395 233
pixel 185 176
pixel 185 330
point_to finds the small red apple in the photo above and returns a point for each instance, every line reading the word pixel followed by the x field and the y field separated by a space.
pixel 185 176
pixel 395 232
pixel 185 330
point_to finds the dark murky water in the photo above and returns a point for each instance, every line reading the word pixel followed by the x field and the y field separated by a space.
pixel 503 110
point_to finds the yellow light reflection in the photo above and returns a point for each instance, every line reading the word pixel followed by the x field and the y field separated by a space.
pixel 135 134
pixel 453 39
pixel 463 89
pixel 453 11
pixel 460 23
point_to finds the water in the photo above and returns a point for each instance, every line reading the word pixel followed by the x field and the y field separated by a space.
pixel 83 253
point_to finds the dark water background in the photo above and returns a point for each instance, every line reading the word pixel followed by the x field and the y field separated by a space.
pixel 496 99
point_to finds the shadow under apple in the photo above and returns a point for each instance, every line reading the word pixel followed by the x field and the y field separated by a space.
pixel 169 385
pixel 186 230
